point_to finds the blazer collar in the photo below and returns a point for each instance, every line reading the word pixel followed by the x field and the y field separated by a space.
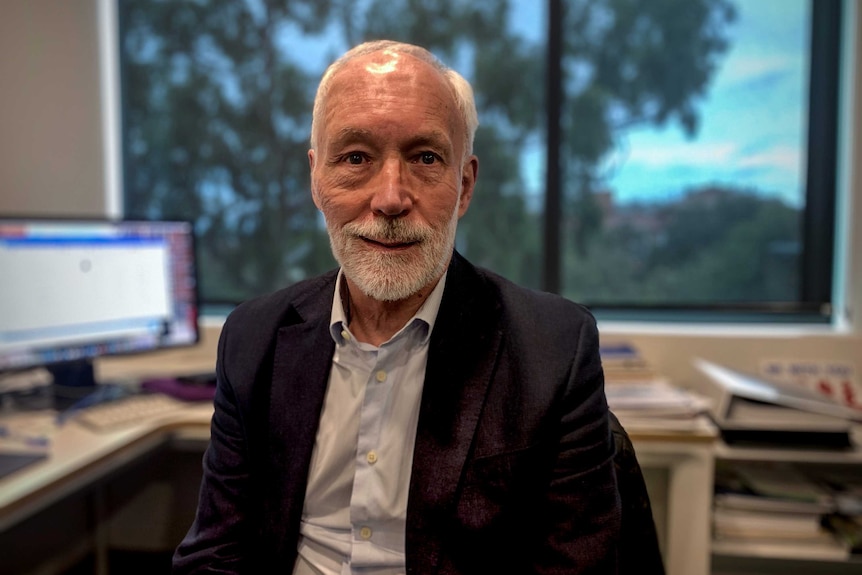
pixel 301 363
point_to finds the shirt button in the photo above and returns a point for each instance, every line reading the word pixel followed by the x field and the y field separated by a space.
pixel 381 376
pixel 371 457
pixel 345 334
pixel 365 533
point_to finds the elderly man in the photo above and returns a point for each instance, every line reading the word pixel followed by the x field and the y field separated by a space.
pixel 408 412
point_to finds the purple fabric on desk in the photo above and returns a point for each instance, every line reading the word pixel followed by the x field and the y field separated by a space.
pixel 180 389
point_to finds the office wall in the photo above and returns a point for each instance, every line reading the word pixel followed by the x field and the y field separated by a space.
pixel 50 114
pixel 52 161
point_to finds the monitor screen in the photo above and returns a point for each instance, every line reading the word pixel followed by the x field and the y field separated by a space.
pixel 76 289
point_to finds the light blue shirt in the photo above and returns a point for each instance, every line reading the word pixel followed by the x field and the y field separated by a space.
pixel 355 512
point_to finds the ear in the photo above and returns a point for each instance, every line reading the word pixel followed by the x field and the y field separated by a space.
pixel 313 179
pixel 469 173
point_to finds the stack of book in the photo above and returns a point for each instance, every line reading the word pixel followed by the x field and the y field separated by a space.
pixel 653 400
pixel 644 399
pixel 622 362
pixel 773 504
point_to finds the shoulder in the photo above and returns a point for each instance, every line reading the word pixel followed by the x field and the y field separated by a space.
pixel 529 308
pixel 261 316
pixel 250 332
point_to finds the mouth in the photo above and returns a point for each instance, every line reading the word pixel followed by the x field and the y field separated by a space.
pixel 389 245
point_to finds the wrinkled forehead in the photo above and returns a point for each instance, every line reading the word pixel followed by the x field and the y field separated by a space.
pixel 393 75
pixel 391 67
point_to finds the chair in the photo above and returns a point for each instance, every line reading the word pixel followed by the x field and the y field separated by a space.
pixel 639 550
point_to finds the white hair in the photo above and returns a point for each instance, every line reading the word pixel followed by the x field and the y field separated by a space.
pixel 461 89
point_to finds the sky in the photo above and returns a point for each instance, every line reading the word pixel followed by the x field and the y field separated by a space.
pixel 753 130
pixel 752 119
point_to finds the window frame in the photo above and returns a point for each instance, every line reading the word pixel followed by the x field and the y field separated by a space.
pixel 818 259
pixel 818 304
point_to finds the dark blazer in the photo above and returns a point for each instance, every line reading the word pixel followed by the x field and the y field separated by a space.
pixel 512 470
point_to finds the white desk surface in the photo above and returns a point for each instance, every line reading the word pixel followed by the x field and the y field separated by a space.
pixel 699 429
pixel 78 456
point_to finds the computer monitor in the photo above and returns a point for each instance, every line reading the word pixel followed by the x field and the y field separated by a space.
pixel 72 290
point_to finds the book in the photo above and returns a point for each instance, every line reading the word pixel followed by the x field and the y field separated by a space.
pixel 751 502
pixel 768 525
pixel 656 398
pixel 621 362
pixel 775 487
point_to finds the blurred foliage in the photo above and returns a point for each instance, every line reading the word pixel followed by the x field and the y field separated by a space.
pixel 713 245
pixel 217 98
pixel 627 63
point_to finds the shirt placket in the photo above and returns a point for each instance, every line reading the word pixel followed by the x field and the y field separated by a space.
pixel 366 516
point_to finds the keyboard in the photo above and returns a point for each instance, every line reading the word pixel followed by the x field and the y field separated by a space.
pixel 128 410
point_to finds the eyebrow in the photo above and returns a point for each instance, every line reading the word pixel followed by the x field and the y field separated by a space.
pixel 347 136
pixel 436 139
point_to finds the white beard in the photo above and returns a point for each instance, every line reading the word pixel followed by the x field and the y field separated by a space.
pixel 393 276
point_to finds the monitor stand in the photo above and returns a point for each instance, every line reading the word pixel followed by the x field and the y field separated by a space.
pixel 72 381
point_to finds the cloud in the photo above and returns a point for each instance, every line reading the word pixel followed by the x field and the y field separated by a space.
pixel 715 156
pixel 779 157
pixel 685 154
pixel 741 69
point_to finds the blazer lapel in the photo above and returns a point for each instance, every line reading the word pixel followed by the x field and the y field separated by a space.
pixel 463 352
pixel 303 356
pixel 301 364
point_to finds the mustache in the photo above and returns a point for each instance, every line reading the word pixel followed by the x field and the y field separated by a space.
pixel 389 230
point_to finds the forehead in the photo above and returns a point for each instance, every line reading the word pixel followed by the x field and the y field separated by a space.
pixel 389 90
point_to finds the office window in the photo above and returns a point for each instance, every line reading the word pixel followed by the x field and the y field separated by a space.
pixel 658 155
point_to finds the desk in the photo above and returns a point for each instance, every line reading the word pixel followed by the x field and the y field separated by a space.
pixel 678 467
pixel 80 456
pixel 72 480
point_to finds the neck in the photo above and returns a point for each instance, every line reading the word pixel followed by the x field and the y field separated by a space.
pixel 375 322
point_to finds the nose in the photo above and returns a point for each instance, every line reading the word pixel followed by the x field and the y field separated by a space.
pixel 392 196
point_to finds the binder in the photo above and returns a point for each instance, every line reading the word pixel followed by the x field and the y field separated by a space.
pixel 747 409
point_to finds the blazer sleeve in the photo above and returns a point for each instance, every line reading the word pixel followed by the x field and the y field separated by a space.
pixel 581 518
pixel 219 537
pixel 538 495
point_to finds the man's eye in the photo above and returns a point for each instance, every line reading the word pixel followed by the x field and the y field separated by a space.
pixel 428 157
pixel 354 158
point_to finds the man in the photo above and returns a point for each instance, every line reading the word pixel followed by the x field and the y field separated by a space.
pixel 408 413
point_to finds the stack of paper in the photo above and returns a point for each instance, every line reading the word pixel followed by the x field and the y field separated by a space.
pixel 656 398
pixel 769 526
pixel 656 405
pixel 622 362
pixel 769 502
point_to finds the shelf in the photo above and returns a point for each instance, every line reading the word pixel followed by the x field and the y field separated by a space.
pixel 787 551
pixel 837 456
pixel 801 557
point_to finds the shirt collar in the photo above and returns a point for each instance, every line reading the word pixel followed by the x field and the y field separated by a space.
pixel 426 315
